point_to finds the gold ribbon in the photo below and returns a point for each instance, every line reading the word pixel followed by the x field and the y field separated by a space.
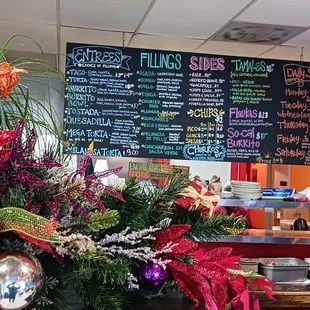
pixel 200 198
pixel 32 225
pixel 246 274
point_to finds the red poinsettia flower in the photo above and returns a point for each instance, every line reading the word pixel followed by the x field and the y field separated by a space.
pixel 208 282
pixel 238 291
pixel 6 136
pixel 188 278
pixel 193 280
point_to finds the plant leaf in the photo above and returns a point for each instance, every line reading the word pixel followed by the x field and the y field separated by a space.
pixel 171 233
pixel 212 271
pixel 216 254
pixel 192 284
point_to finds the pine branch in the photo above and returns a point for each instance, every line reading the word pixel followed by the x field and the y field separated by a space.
pixel 134 212
pixel 16 197
pixel 210 228
pixel 102 298
pixel 162 197
pixel 10 242
pixel 55 299
pixel 101 221
pixel 144 207
pixel 98 281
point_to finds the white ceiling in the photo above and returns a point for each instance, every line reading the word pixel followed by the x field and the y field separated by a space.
pixel 185 25
pixel 117 15
pixel 191 18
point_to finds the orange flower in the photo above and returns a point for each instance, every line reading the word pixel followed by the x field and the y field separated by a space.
pixel 9 77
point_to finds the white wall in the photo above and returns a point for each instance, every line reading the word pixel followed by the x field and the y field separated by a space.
pixel 200 168
pixel 115 162
pixel 47 90
pixel 206 169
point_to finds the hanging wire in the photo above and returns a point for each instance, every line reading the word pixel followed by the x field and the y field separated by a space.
pixel 302 54
pixel 123 40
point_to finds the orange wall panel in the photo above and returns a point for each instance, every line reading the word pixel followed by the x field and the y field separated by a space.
pixel 300 177
pixel 261 173
pixel 258 216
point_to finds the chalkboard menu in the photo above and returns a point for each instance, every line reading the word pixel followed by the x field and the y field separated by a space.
pixel 162 104
pixel 155 171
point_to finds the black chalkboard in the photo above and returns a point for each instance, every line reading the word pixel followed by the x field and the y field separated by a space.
pixel 162 104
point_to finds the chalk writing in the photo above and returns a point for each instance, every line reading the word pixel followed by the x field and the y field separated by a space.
pixel 296 93
pixel 206 112
pixel 161 61
pixel 206 63
pixel 155 171
pixel 98 55
pixel 165 104
pixel 296 74
pixel 204 152
pixel 241 65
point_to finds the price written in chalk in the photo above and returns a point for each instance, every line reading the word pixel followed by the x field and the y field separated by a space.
pixel 124 75
pixel 263 114
pixel 136 129
pixel 130 152
pixel 261 135
pixel 135 105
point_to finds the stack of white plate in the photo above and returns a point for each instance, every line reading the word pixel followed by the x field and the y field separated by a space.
pixel 246 190
pixel 226 195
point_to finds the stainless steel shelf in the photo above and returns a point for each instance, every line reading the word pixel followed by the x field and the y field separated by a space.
pixel 270 236
pixel 262 204
pixel 269 240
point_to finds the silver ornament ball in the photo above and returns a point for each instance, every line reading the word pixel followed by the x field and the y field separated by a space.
pixel 21 280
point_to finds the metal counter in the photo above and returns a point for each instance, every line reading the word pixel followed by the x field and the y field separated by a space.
pixel 263 204
pixel 270 236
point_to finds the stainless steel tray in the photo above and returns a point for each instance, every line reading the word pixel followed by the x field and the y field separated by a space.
pixel 283 269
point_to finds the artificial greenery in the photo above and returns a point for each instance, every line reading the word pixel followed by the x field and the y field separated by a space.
pixel 100 282
pixel 144 207
pixel 93 278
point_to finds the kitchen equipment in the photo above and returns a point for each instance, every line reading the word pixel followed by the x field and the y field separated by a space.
pixel 283 269
pixel 226 195
pixel 300 224
pixel 307 260
pixel 248 264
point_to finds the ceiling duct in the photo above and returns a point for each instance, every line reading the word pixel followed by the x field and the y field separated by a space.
pixel 243 32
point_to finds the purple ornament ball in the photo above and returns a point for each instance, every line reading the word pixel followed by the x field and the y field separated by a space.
pixel 152 275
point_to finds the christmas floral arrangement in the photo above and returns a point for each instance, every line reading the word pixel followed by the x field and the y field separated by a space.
pixel 67 239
